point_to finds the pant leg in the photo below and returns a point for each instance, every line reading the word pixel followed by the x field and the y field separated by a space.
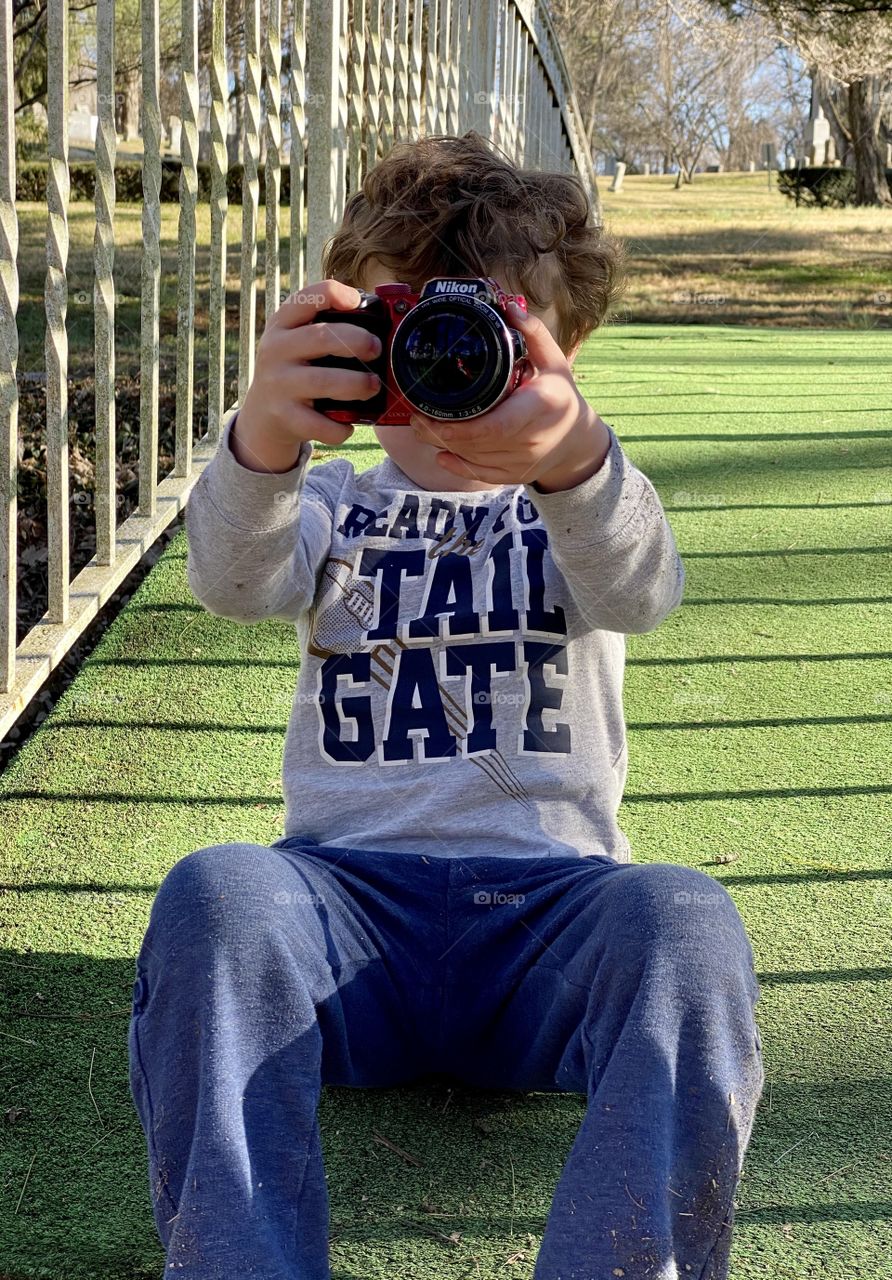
pixel 635 985
pixel 264 973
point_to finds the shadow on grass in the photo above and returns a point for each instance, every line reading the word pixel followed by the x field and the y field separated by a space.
pixel 149 890
pixel 278 730
pixel 755 249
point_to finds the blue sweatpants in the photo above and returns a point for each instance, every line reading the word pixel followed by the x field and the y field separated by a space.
pixel 266 972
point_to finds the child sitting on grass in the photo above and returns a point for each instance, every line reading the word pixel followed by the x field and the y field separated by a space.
pixel 452 895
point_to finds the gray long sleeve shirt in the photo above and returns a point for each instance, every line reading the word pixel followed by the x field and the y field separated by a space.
pixel 462 654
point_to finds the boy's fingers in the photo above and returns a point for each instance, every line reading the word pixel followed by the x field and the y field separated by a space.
pixel 300 307
pixel 542 349
pixel 488 431
pixel 326 430
pixel 327 338
pixel 312 382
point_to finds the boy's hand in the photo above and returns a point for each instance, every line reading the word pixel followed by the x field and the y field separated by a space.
pixel 277 414
pixel 544 433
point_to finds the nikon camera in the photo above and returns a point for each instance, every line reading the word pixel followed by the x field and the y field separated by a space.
pixel 447 352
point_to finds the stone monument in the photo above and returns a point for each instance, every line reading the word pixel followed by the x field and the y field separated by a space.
pixel 175 127
pixel 817 140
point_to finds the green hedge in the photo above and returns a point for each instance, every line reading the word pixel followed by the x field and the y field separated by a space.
pixel 826 186
pixel 31 180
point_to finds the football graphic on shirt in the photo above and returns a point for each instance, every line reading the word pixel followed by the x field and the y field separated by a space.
pixel 343 611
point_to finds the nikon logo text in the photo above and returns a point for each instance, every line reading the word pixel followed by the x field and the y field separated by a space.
pixel 457 286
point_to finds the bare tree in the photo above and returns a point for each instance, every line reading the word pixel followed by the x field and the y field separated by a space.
pixel 602 45
pixel 703 73
pixel 670 80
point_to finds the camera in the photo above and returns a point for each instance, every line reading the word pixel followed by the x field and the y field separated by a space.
pixel 447 352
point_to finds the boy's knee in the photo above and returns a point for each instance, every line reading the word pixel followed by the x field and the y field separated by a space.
pixel 673 887
pixel 217 881
pixel 205 868
pixel 665 903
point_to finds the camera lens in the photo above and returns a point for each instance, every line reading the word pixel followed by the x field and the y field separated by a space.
pixel 443 354
pixel 451 358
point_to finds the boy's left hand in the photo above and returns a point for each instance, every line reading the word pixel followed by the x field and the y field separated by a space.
pixel 544 433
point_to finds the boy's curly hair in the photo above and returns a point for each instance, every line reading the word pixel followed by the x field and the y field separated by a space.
pixel 448 205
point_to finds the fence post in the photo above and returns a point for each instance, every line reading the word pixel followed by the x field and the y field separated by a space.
pixel 272 62
pixel 219 219
pixel 150 126
pixel 9 354
pixel 457 44
pixel 56 299
pixel 250 201
pixel 481 68
pixel 324 199
pixel 104 505
pixel 186 236
pixel 525 99
pixel 298 152
pixel 388 55
pixel 341 90
pixel 441 67
pixel 356 99
pixel 512 32
pixel 415 101
pixel 401 71
pixel 373 85
pixel 430 69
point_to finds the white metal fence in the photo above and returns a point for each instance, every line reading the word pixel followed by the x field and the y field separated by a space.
pixel 362 74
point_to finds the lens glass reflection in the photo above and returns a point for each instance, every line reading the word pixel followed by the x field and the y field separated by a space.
pixel 445 356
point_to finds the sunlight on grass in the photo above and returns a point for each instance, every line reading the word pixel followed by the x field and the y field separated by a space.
pixel 729 249
pixel 127 270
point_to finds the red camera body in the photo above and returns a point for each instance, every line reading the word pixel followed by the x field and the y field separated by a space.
pixel 447 352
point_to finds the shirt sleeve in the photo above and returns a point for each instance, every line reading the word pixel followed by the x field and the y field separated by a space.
pixel 610 539
pixel 256 540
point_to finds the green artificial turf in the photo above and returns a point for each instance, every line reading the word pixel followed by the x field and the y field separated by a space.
pixel 759 722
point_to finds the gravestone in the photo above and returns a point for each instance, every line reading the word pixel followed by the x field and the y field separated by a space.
pixel 646 168
pixel 752 166
pixel 175 127
pixel 818 141
pixel 82 125
pixel 618 175
pixel 817 132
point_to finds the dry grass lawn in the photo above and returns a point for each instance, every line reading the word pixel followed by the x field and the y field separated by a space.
pixel 728 250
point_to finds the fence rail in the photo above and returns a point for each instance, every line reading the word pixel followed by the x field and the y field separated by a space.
pixel 378 70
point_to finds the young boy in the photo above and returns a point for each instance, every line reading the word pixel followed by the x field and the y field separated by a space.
pixel 453 894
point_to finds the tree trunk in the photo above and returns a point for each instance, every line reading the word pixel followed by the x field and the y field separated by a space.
pixel 871 186
pixel 238 95
pixel 127 104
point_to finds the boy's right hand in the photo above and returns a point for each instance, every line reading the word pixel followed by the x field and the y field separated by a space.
pixel 277 414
